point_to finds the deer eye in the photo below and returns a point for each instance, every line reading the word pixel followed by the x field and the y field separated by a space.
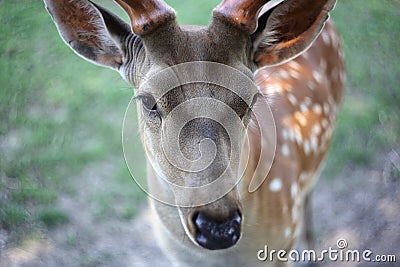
pixel 149 103
pixel 150 107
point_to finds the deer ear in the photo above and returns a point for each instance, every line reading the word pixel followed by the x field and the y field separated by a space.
pixel 90 30
pixel 287 29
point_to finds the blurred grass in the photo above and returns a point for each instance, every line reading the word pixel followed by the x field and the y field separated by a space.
pixel 59 113
pixel 369 121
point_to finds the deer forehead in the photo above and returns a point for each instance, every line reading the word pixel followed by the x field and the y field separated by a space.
pixel 169 47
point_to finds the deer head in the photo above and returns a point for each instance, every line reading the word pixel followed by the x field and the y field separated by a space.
pixel 243 36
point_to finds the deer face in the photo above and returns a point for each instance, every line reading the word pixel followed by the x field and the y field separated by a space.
pixel 194 92
pixel 193 130
pixel 205 146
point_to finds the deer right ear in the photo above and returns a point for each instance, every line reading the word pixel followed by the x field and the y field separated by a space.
pixel 288 28
pixel 90 30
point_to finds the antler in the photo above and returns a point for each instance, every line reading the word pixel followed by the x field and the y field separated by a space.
pixel 147 15
pixel 241 14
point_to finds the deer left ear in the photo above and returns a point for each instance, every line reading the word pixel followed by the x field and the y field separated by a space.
pixel 90 30
pixel 287 29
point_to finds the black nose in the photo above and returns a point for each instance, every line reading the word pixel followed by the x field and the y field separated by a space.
pixel 216 234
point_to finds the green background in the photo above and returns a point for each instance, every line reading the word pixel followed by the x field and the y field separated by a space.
pixel 50 138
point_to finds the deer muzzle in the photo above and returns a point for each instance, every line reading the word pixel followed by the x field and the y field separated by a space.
pixel 217 233
pixel 217 225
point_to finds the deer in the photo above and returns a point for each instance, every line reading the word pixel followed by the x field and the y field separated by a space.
pixel 292 54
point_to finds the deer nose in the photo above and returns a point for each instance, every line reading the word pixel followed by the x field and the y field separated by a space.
pixel 216 234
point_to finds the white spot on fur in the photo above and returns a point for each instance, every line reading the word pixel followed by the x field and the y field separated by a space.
pixel 275 185
pixel 294 213
pixel 307 101
pixel 314 143
pixel 285 134
pixel 292 99
pixel 295 74
pixel 293 64
pixel 326 108
pixel 303 176
pixel 306 55
pixel 311 85
pixel 292 135
pixel 317 109
pixel 323 64
pixel 284 74
pixel 293 190
pixel 285 150
pixel 326 38
pixel 297 201
pixel 287 232
pixel 303 107
pixel 317 76
pixel 274 88
pixel 316 129
pixel 301 118
pixel 298 135
pixel 306 147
